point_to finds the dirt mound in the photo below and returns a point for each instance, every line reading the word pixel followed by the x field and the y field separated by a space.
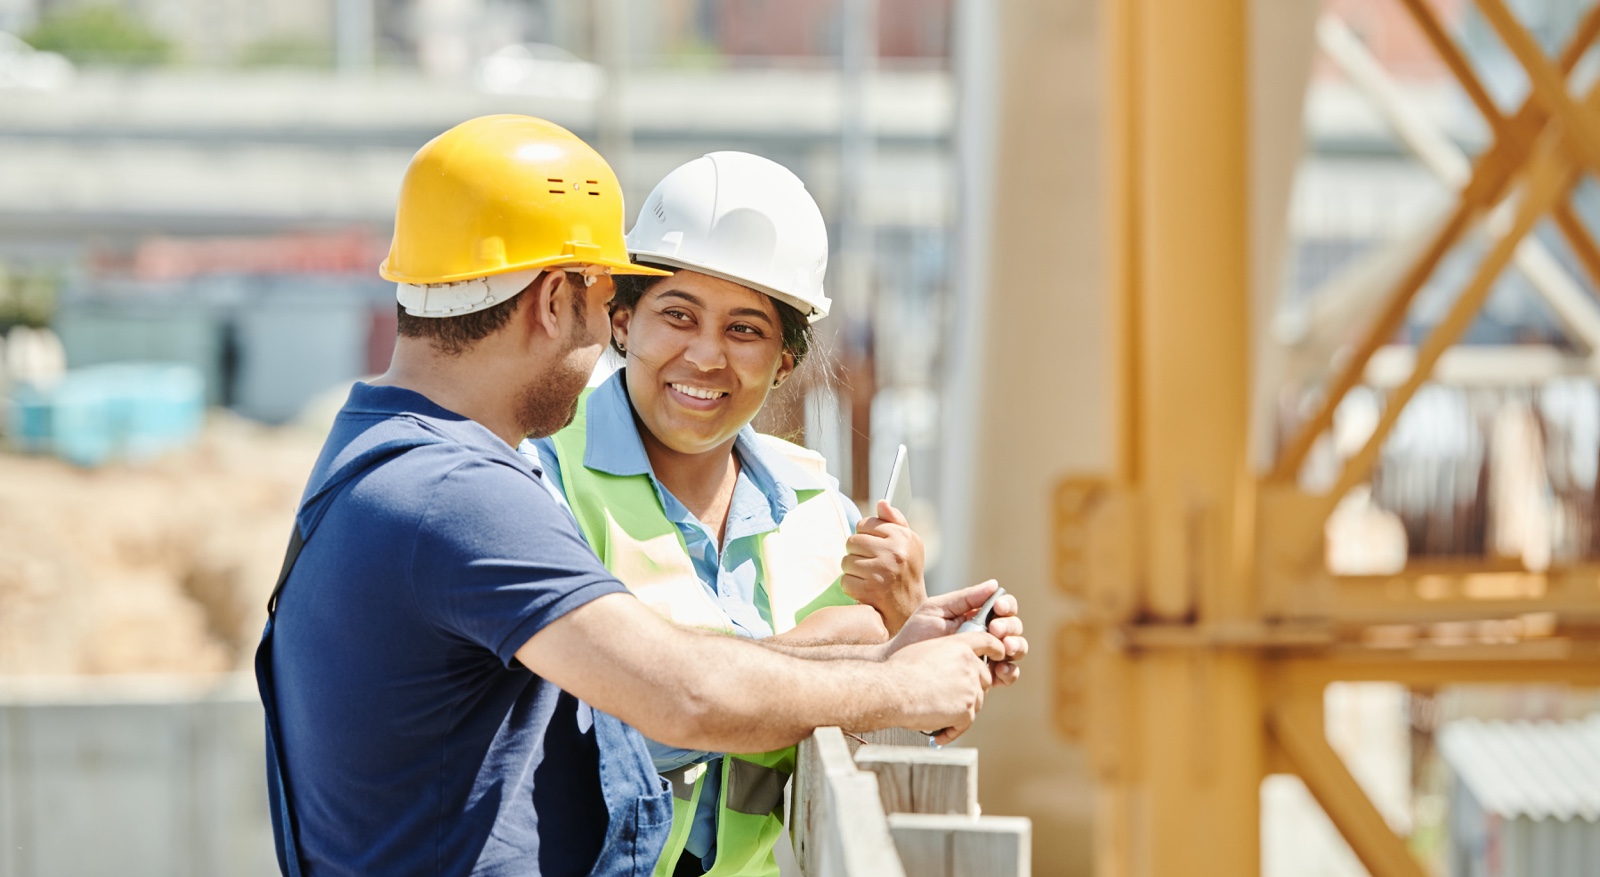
pixel 160 568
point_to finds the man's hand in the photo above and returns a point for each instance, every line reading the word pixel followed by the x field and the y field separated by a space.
pixel 940 616
pixel 883 566
pixel 944 680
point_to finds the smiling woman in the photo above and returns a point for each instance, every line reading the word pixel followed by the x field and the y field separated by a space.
pixel 703 353
pixel 707 521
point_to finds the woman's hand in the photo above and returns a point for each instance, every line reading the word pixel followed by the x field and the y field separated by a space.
pixel 883 566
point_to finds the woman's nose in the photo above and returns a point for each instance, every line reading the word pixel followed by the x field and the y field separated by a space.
pixel 705 352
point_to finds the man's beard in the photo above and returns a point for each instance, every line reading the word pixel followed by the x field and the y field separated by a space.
pixel 550 400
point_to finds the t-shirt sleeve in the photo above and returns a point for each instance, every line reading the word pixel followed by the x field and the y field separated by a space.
pixel 496 558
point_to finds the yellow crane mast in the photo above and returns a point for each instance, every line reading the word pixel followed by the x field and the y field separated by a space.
pixel 1196 623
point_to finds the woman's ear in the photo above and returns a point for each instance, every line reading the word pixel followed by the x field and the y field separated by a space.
pixel 785 369
pixel 620 319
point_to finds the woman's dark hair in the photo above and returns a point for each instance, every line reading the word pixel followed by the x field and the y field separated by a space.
pixel 797 331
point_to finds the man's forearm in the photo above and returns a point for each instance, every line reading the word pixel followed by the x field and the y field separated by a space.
pixel 719 693
pixel 755 696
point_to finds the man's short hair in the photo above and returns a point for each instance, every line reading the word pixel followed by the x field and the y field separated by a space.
pixel 454 336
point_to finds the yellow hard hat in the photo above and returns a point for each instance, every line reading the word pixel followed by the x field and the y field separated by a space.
pixel 502 194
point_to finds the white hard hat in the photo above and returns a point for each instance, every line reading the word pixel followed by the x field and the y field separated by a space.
pixel 743 218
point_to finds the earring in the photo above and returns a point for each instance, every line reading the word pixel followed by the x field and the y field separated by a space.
pixel 622 349
pixel 776 382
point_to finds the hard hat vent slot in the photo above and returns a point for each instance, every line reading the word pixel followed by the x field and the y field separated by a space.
pixel 659 211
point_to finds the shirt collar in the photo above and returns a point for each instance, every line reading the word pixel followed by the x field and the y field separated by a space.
pixel 612 445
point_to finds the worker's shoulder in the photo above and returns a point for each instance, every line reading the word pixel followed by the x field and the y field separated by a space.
pixel 804 456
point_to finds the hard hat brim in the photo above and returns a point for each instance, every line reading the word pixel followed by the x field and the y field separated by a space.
pixel 812 310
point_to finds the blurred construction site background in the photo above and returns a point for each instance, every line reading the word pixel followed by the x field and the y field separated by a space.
pixel 1144 285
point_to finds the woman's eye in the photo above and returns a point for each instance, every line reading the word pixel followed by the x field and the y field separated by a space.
pixel 675 314
pixel 747 330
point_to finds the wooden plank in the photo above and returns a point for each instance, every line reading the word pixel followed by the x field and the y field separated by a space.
pixel 923 780
pixel 807 801
pixel 934 845
pixel 893 737
pixel 859 843
pixel 837 825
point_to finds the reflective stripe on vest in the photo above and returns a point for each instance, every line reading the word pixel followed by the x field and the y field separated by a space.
pixel 752 788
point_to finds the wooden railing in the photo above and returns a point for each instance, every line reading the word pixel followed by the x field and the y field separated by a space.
pixel 887 805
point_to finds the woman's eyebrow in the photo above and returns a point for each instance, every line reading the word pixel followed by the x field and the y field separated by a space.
pixel 751 312
pixel 678 293
pixel 736 312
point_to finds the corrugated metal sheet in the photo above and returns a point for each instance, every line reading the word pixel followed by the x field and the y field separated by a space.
pixel 1536 770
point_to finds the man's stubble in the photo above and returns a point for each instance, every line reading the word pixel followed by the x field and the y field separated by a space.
pixel 550 400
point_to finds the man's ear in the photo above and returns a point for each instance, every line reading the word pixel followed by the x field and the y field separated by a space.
pixel 550 295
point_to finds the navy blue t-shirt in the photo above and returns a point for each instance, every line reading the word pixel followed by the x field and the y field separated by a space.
pixel 415 743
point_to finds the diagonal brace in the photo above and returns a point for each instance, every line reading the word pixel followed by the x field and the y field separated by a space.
pixel 1549 179
pixel 1549 85
pixel 1492 172
pixel 1297 726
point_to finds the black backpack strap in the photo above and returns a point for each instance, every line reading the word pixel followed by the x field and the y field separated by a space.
pixel 277 787
pixel 296 542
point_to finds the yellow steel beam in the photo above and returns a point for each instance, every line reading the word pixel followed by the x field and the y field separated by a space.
pixel 1492 172
pixel 1192 338
pixel 1549 179
pixel 1454 59
pixel 1417 596
pixel 1549 84
pixel 1179 114
pixel 1125 131
pixel 1537 662
pixel 1297 726
pixel 1578 238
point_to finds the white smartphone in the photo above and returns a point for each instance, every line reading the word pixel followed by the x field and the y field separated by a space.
pixel 896 476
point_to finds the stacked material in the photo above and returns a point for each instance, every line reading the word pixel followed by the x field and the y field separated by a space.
pixel 92 416
pixel 162 568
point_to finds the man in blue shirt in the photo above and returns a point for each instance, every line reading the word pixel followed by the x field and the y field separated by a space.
pixel 440 670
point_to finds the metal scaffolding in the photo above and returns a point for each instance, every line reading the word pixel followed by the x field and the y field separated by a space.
pixel 1210 624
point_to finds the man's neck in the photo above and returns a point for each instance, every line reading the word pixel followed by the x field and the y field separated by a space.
pixel 466 384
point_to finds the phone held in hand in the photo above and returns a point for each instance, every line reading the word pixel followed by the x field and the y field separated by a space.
pixel 984 616
pixel 898 493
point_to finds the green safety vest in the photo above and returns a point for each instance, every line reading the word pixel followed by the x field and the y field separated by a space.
pixel 622 518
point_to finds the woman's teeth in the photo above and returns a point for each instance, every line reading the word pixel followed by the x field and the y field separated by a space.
pixel 697 392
